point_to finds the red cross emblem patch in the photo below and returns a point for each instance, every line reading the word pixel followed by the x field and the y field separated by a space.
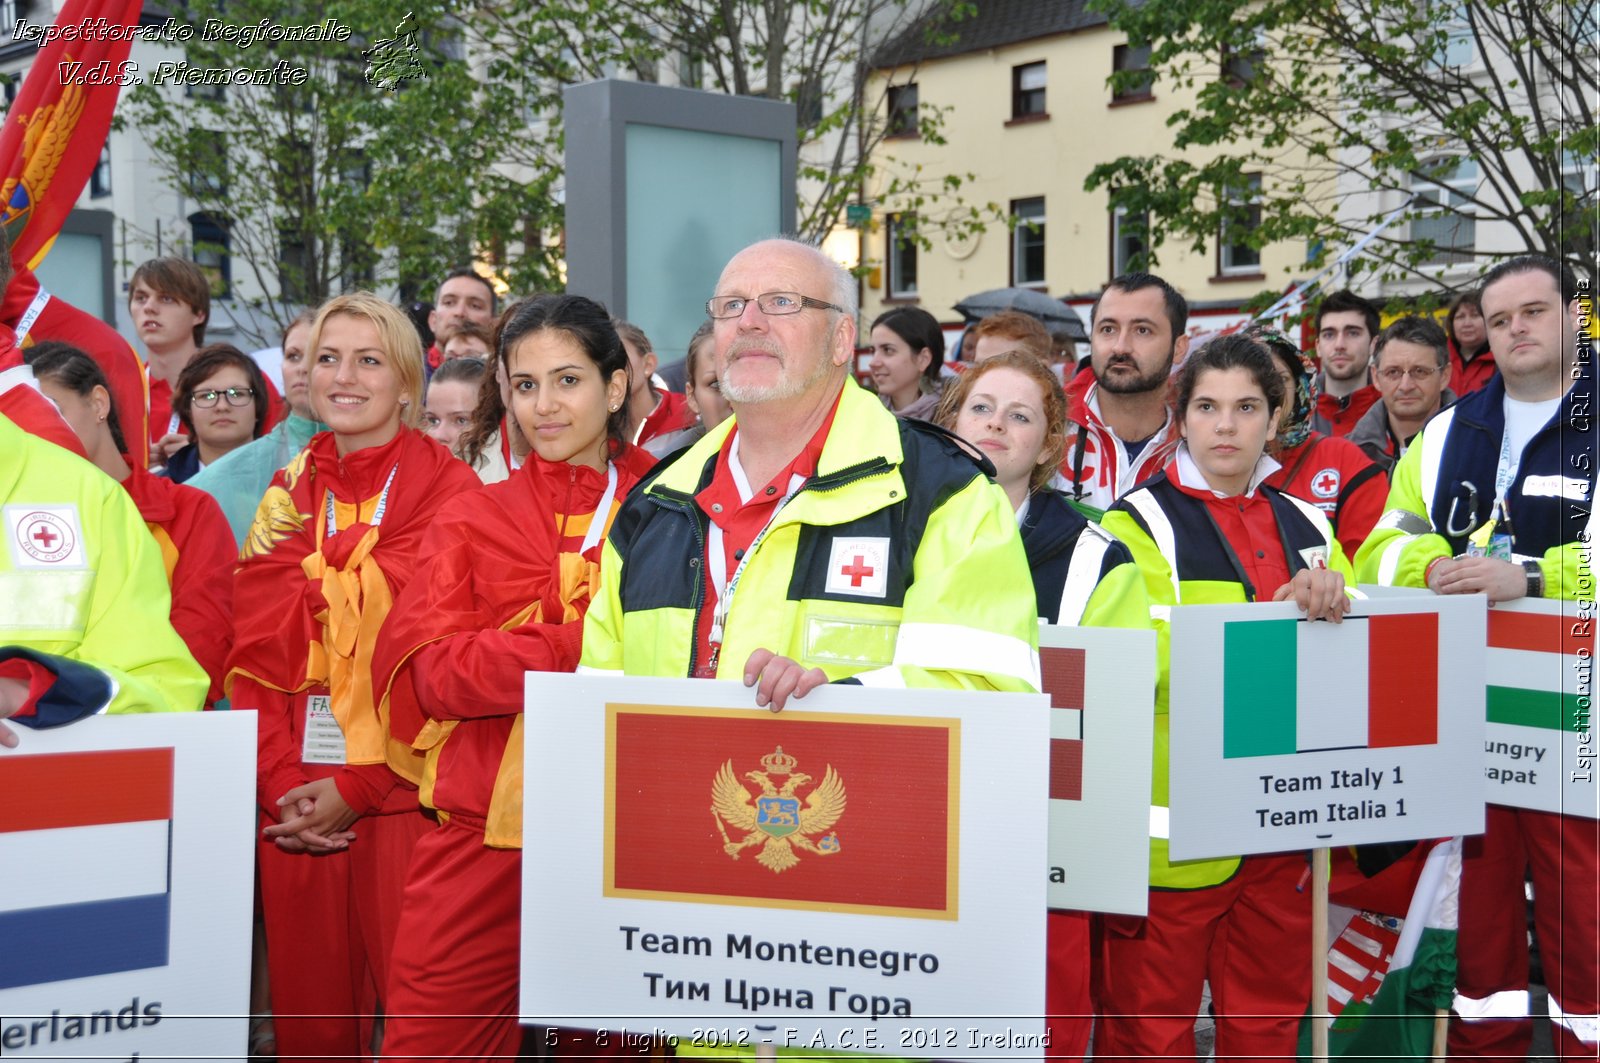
pixel 859 567
pixel 44 535
pixel 1325 484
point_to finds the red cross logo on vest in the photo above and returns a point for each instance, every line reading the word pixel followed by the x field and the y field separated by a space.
pixel 1325 484
pixel 44 536
pixel 857 570
pixel 858 567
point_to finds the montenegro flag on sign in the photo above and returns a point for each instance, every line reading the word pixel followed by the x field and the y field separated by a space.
pixel 833 812
pixel 53 132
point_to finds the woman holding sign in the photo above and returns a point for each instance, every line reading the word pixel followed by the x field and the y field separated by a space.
pixel 1011 409
pixel 1208 530
pixel 335 539
pixel 507 579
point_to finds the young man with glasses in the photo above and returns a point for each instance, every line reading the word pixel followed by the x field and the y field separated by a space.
pixel 814 536
pixel 1411 368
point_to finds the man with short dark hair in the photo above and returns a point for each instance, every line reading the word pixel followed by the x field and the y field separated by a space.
pixel 1411 367
pixel 1346 327
pixel 169 300
pixel 1515 461
pixel 464 295
pixel 1122 429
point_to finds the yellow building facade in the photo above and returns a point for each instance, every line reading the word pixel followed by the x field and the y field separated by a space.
pixel 1026 110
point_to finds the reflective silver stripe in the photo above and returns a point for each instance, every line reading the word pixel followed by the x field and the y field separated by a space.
pixel 587 669
pixel 1389 559
pixel 1585 1028
pixel 1404 520
pixel 1432 445
pixel 45 600
pixel 882 678
pixel 1161 612
pixel 1161 531
pixel 1506 1004
pixel 957 648
pixel 1160 821
pixel 1082 577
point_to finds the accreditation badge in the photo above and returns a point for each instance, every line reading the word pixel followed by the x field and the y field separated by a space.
pixel 323 741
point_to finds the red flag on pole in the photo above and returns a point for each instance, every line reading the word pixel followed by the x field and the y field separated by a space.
pixel 49 145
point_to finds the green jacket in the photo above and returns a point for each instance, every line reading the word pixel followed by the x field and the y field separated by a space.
pixel 1184 562
pixel 953 608
pixel 83 592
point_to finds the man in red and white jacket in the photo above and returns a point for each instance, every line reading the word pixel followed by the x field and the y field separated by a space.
pixel 1122 430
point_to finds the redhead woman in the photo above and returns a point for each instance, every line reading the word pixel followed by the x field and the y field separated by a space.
pixel 1011 409
pixel 507 579
pixel 334 541
pixel 1208 529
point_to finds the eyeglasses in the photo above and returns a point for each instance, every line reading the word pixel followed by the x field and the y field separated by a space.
pixel 1419 375
pixel 773 304
pixel 236 397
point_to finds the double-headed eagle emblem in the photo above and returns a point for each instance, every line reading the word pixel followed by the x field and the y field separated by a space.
pixel 775 819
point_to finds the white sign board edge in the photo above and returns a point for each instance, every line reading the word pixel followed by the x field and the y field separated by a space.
pixel 1294 801
pixel 990 979
pixel 1101 844
pixel 1531 767
pixel 196 1007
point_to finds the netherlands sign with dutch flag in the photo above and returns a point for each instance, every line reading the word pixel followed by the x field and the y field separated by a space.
pixel 85 864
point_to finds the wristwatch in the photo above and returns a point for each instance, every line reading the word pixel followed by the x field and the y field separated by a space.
pixel 1535 579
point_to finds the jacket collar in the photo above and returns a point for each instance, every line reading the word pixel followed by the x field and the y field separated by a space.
pixel 1191 478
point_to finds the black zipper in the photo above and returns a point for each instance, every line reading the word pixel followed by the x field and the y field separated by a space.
pixel 677 499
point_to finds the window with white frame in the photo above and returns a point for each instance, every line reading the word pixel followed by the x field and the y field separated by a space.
pixel 900 254
pixel 1027 241
pixel 1130 241
pixel 1445 220
pixel 1235 253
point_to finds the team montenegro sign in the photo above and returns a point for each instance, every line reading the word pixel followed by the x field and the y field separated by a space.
pixel 832 876
pixel 1288 734
pixel 126 845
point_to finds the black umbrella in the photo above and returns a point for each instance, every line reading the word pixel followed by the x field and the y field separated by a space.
pixel 1053 312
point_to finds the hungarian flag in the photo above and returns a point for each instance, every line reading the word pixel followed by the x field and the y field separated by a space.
pixel 1533 658
pixel 85 859
pixel 832 812
pixel 49 145
pixel 1391 1013
pixel 1274 704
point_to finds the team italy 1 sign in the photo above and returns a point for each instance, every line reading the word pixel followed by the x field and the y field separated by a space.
pixel 1288 734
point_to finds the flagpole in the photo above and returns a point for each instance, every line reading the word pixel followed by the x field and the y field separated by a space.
pixel 1319 953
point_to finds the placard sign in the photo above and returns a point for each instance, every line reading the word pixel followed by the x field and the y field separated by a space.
pixel 1289 734
pixel 839 875
pixel 1539 741
pixel 127 847
pixel 1102 684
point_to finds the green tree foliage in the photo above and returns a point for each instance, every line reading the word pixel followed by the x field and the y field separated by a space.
pixel 333 183
pixel 1481 112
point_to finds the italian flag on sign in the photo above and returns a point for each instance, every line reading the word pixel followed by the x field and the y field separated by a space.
pixel 1539 742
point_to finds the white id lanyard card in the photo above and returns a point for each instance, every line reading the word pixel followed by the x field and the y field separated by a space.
pixel 324 741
